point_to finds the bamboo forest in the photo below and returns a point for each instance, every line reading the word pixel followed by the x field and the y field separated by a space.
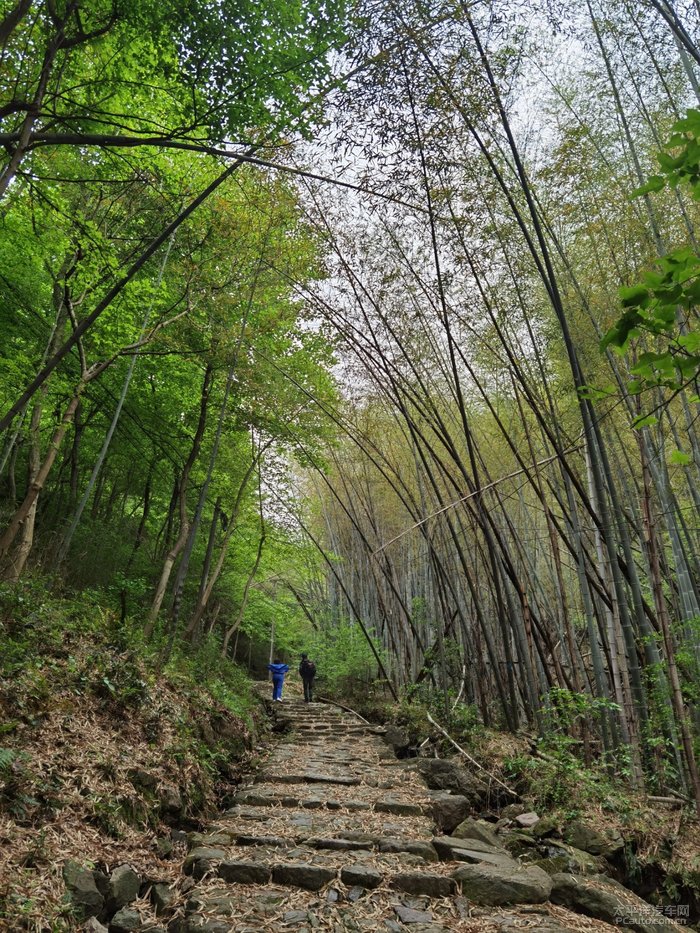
pixel 365 329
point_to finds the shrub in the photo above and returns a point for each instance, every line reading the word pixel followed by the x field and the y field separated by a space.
pixel 344 660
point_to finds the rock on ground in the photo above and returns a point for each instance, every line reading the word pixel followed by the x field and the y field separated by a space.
pixel 494 885
pixel 601 897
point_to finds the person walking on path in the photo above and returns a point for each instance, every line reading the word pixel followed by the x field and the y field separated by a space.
pixel 278 671
pixel 307 670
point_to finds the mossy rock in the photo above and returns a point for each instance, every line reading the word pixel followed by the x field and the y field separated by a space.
pixel 546 827
pixel 584 836
pixel 135 811
pixel 553 866
pixel 558 857
pixel 518 843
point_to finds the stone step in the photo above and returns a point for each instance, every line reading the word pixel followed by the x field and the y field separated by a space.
pixel 307 777
pixel 450 849
pixel 306 712
pixel 331 731
pixel 318 752
pixel 294 722
pixel 289 716
pixel 303 709
pixel 379 804
pixel 304 867
pixel 332 741
pixel 309 803
pixel 217 907
pixel 340 730
pixel 333 818
pixel 303 712
pixel 301 725
pixel 322 721
pixel 350 841
pixel 277 909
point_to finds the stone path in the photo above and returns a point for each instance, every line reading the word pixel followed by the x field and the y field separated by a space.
pixel 335 834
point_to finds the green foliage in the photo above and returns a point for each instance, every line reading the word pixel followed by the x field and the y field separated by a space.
pixel 226 681
pixel 34 624
pixel 7 757
pixel 198 69
pixel 118 678
pixel 44 648
pixel 662 307
pixel 224 294
pixel 564 709
pixel 410 715
pixel 344 661
pixel 250 63
pixel 15 777
pixel 687 634
pixel 555 774
pixel 465 723
pixel 234 271
pixel 555 777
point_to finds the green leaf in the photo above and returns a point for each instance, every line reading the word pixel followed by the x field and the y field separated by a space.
pixel 680 458
pixel 647 361
pixel 653 279
pixel 7 757
pixel 662 317
pixel 594 394
pixel 688 366
pixel 692 292
pixel 670 292
pixel 634 296
pixel 689 342
pixel 644 421
pixel 683 256
pixel 622 332
pixel 671 163
pixel 690 123
pixel 654 184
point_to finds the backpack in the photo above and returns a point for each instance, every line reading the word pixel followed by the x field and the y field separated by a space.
pixel 307 669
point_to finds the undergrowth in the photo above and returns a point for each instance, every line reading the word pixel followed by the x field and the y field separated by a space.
pixel 40 634
pixel 60 652
pixel 102 749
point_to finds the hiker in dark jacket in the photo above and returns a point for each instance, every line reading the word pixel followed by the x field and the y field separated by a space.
pixel 278 671
pixel 307 670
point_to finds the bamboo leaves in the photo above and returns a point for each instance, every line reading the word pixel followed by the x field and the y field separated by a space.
pixel 663 306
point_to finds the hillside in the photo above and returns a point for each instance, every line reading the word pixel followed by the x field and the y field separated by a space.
pixel 105 759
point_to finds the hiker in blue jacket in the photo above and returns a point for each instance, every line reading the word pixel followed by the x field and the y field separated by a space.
pixel 278 671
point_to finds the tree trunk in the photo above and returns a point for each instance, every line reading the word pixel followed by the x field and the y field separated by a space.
pixel 246 593
pixel 205 594
pixel 174 551
pixel 15 568
pixel 36 485
pixel 68 536
pixel 677 699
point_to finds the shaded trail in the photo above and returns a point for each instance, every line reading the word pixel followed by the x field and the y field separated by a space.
pixel 335 834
